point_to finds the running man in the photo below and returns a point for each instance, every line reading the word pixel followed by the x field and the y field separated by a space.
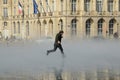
pixel 57 43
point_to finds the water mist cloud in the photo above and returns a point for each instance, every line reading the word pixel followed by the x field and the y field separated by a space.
pixel 80 54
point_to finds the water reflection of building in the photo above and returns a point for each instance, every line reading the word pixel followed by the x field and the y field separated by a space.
pixel 103 74
pixel 99 74
pixel 78 18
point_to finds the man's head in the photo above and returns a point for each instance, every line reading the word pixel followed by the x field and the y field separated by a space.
pixel 61 32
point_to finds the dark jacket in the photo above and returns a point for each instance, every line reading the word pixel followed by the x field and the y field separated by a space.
pixel 58 38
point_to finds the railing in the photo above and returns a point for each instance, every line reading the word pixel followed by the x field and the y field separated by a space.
pixel 5 17
pixel 103 13
pixel 49 13
pixel 64 13
pixel 60 13
pixel 75 13
pixel 17 16
pixel 44 14
pixel 69 12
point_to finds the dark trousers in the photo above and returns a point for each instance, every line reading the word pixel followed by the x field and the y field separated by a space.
pixel 55 48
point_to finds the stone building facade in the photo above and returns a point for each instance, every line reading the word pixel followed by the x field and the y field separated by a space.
pixel 78 18
pixel 101 74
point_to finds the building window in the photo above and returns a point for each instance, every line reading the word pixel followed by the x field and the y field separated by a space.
pixel 73 6
pixel 87 5
pixel 46 1
pixel 47 6
pixel 28 10
pixel 119 5
pixel 61 24
pixel 73 27
pixel 14 11
pixel 100 25
pixel 14 1
pixel 52 5
pixel 88 27
pixel 19 27
pixel 4 1
pixel 110 5
pixel 5 12
pixel 99 4
pixel 41 7
pixel 5 23
pixel 62 6
pixel 14 25
pixel 111 24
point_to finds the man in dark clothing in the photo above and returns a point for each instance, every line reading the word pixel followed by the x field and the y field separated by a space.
pixel 57 43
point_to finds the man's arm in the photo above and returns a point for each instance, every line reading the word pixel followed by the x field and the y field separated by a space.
pixel 59 42
pixel 59 39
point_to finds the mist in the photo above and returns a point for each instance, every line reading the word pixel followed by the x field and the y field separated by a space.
pixel 31 58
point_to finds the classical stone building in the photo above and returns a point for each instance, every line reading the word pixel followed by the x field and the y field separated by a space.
pixel 78 18
pixel 96 74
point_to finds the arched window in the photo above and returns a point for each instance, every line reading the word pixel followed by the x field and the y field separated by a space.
pixel 5 23
pixel 14 11
pixel 87 5
pixel 61 24
pixel 73 27
pixel 88 27
pixel 45 28
pixel 110 5
pixel 100 26
pixel 27 28
pixel 73 6
pixel 111 24
pixel 99 4
pixel 38 28
pixel 19 27
pixel 50 29
pixel 14 26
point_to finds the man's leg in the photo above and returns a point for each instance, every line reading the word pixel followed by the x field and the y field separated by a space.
pixel 53 50
pixel 61 49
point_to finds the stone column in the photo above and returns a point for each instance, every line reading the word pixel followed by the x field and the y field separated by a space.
pixel 78 27
pixel 107 28
pixel 92 29
pixel 104 28
pixel 95 28
pixel 83 28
